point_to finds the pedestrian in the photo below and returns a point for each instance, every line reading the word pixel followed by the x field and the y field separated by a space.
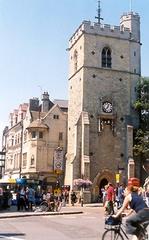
pixel 30 193
pixel 18 197
pixel 110 198
pixel 23 199
pixel 120 195
pixel 63 196
pixel 104 195
pixel 73 198
pixel 81 197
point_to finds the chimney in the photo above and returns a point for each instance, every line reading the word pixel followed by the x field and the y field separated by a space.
pixel 45 102
pixel 34 104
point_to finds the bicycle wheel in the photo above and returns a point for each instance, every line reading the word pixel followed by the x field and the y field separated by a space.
pixel 44 206
pixel 112 234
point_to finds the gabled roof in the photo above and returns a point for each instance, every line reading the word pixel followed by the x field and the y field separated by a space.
pixel 54 106
pixel 36 115
pixel 61 103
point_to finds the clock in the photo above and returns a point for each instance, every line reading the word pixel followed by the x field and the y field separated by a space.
pixel 107 107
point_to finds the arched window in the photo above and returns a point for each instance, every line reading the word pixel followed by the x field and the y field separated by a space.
pixel 106 58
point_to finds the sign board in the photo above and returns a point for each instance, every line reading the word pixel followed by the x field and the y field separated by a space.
pixel 58 160
pixel 117 178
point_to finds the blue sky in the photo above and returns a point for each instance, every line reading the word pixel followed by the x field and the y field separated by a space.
pixel 34 37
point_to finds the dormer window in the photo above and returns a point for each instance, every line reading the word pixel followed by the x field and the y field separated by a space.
pixel 106 58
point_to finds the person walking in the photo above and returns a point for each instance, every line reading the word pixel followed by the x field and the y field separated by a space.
pixel 104 195
pixel 120 195
pixel 22 200
pixel 73 198
pixel 30 193
pixel 110 198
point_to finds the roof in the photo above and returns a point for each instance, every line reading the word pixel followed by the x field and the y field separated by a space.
pixel 37 124
pixel 36 115
pixel 61 103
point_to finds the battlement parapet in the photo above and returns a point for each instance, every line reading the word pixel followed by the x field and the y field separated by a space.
pixel 100 29
pixel 128 14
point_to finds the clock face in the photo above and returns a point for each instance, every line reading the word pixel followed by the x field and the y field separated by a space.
pixel 107 107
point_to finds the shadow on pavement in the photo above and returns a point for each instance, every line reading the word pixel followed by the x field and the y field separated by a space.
pixel 12 234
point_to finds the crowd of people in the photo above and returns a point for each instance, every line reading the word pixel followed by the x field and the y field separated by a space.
pixel 27 197
pixel 114 196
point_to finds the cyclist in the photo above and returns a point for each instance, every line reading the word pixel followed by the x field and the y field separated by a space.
pixel 50 200
pixel 138 207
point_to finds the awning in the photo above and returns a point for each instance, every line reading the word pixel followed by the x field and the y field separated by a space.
pixel 9 180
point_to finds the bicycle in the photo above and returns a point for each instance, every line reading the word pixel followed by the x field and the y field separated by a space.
pixel 46 206
pixel 115 231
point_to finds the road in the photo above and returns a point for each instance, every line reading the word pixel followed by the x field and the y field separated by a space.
pixel 86 226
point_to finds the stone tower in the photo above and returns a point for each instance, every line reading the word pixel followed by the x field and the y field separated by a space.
pixel 104 68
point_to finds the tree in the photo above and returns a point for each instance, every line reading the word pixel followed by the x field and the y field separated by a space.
pixel 141 138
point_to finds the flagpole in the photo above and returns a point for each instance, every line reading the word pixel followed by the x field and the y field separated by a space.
pixel 130 5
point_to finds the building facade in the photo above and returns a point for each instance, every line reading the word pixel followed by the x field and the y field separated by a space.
pixel 104 67
pixel 35 139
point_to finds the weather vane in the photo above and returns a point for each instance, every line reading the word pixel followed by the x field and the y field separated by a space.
pixel 99 13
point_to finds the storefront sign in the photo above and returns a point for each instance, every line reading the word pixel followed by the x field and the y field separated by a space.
pixel 58 160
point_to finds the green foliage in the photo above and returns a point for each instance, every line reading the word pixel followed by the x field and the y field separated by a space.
pixel 141 138
pixel 142 102
pixel 141 146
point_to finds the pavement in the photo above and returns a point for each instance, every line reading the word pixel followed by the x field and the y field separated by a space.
pixel 77 209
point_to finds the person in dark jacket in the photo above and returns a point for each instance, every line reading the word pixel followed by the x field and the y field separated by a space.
pixel 73 198
pixel 138 207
